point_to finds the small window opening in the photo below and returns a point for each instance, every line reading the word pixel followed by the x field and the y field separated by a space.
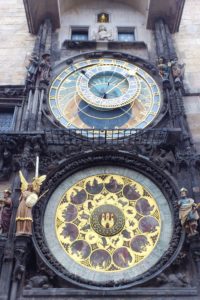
pixel 126 34
pixel 79 34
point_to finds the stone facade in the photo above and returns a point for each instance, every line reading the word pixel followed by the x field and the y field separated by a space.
pixel 16 42
pixel 187 42
pixel 163 153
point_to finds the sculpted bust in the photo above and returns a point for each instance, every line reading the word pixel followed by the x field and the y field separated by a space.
pixel 103 34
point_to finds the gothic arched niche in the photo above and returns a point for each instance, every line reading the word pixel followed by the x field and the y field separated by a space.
pixel 109 221
pixel 103 17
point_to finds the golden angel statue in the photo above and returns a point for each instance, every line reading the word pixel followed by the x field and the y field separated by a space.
pixel 29 197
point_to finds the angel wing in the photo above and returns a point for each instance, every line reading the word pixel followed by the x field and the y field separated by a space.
pixel 37 182
pixel 24 183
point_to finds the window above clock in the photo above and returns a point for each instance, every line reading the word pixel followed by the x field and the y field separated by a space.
pixel 126 34
pixel 79 34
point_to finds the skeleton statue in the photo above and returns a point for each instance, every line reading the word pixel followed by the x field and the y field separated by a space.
pixel 177 73
pixel 29 197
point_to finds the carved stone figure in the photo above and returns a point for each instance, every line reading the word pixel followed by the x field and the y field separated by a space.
pixel 188 213
pixel 32 68
pixel 5 212
pixel 173 279
pixel 177 73
pixel 38 281
pixel 28 198
pixel 164 159
pixel 164 70
pixel 45 68
pixel 103 34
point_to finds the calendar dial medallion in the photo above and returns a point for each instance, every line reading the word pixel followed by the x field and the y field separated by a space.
pixel 105 94
pixel 107 223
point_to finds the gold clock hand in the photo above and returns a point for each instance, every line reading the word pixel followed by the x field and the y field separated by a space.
pixel 115 86
pixel 131 73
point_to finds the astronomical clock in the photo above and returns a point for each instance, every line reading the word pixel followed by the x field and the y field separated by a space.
pixel 104 94
pixel 106 224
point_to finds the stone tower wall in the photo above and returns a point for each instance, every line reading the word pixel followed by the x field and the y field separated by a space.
pixel 187 42
pixel 16 43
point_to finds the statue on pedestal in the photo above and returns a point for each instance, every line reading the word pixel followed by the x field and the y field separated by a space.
pixel 29 197
pixel 188 213
pixel 5 212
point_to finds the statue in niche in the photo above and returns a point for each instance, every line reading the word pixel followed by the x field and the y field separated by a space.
pixel 45 68
pixel 164 70
pixel 29 197
pixel 32 68
pixel 188 213
pixel 103 18
pixel 177 73
pixel 5 212
pixel 103 34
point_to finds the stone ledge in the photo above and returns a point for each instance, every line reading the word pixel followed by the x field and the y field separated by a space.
pixel 76 292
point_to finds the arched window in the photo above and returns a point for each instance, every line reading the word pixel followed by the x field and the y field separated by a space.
pixel 103 18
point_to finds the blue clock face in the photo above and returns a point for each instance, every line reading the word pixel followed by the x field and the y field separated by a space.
pixel 104 94
pixel 108 85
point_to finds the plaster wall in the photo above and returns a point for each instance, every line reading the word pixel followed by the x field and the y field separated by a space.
pixel 187 42
pixel 16 43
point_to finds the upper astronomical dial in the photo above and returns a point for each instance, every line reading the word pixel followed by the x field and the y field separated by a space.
pixel 105 94
pixel 108 87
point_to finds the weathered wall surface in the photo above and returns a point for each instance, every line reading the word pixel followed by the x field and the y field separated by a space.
pixel 187 42
pixel 16 43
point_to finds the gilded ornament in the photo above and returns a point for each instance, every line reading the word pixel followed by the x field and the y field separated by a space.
pixel 107 222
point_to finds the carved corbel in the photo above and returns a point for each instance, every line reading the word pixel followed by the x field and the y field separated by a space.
pixel 21 252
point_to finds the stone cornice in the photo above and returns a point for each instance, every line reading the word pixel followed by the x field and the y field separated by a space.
pixel 37 11
pixel 171 11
